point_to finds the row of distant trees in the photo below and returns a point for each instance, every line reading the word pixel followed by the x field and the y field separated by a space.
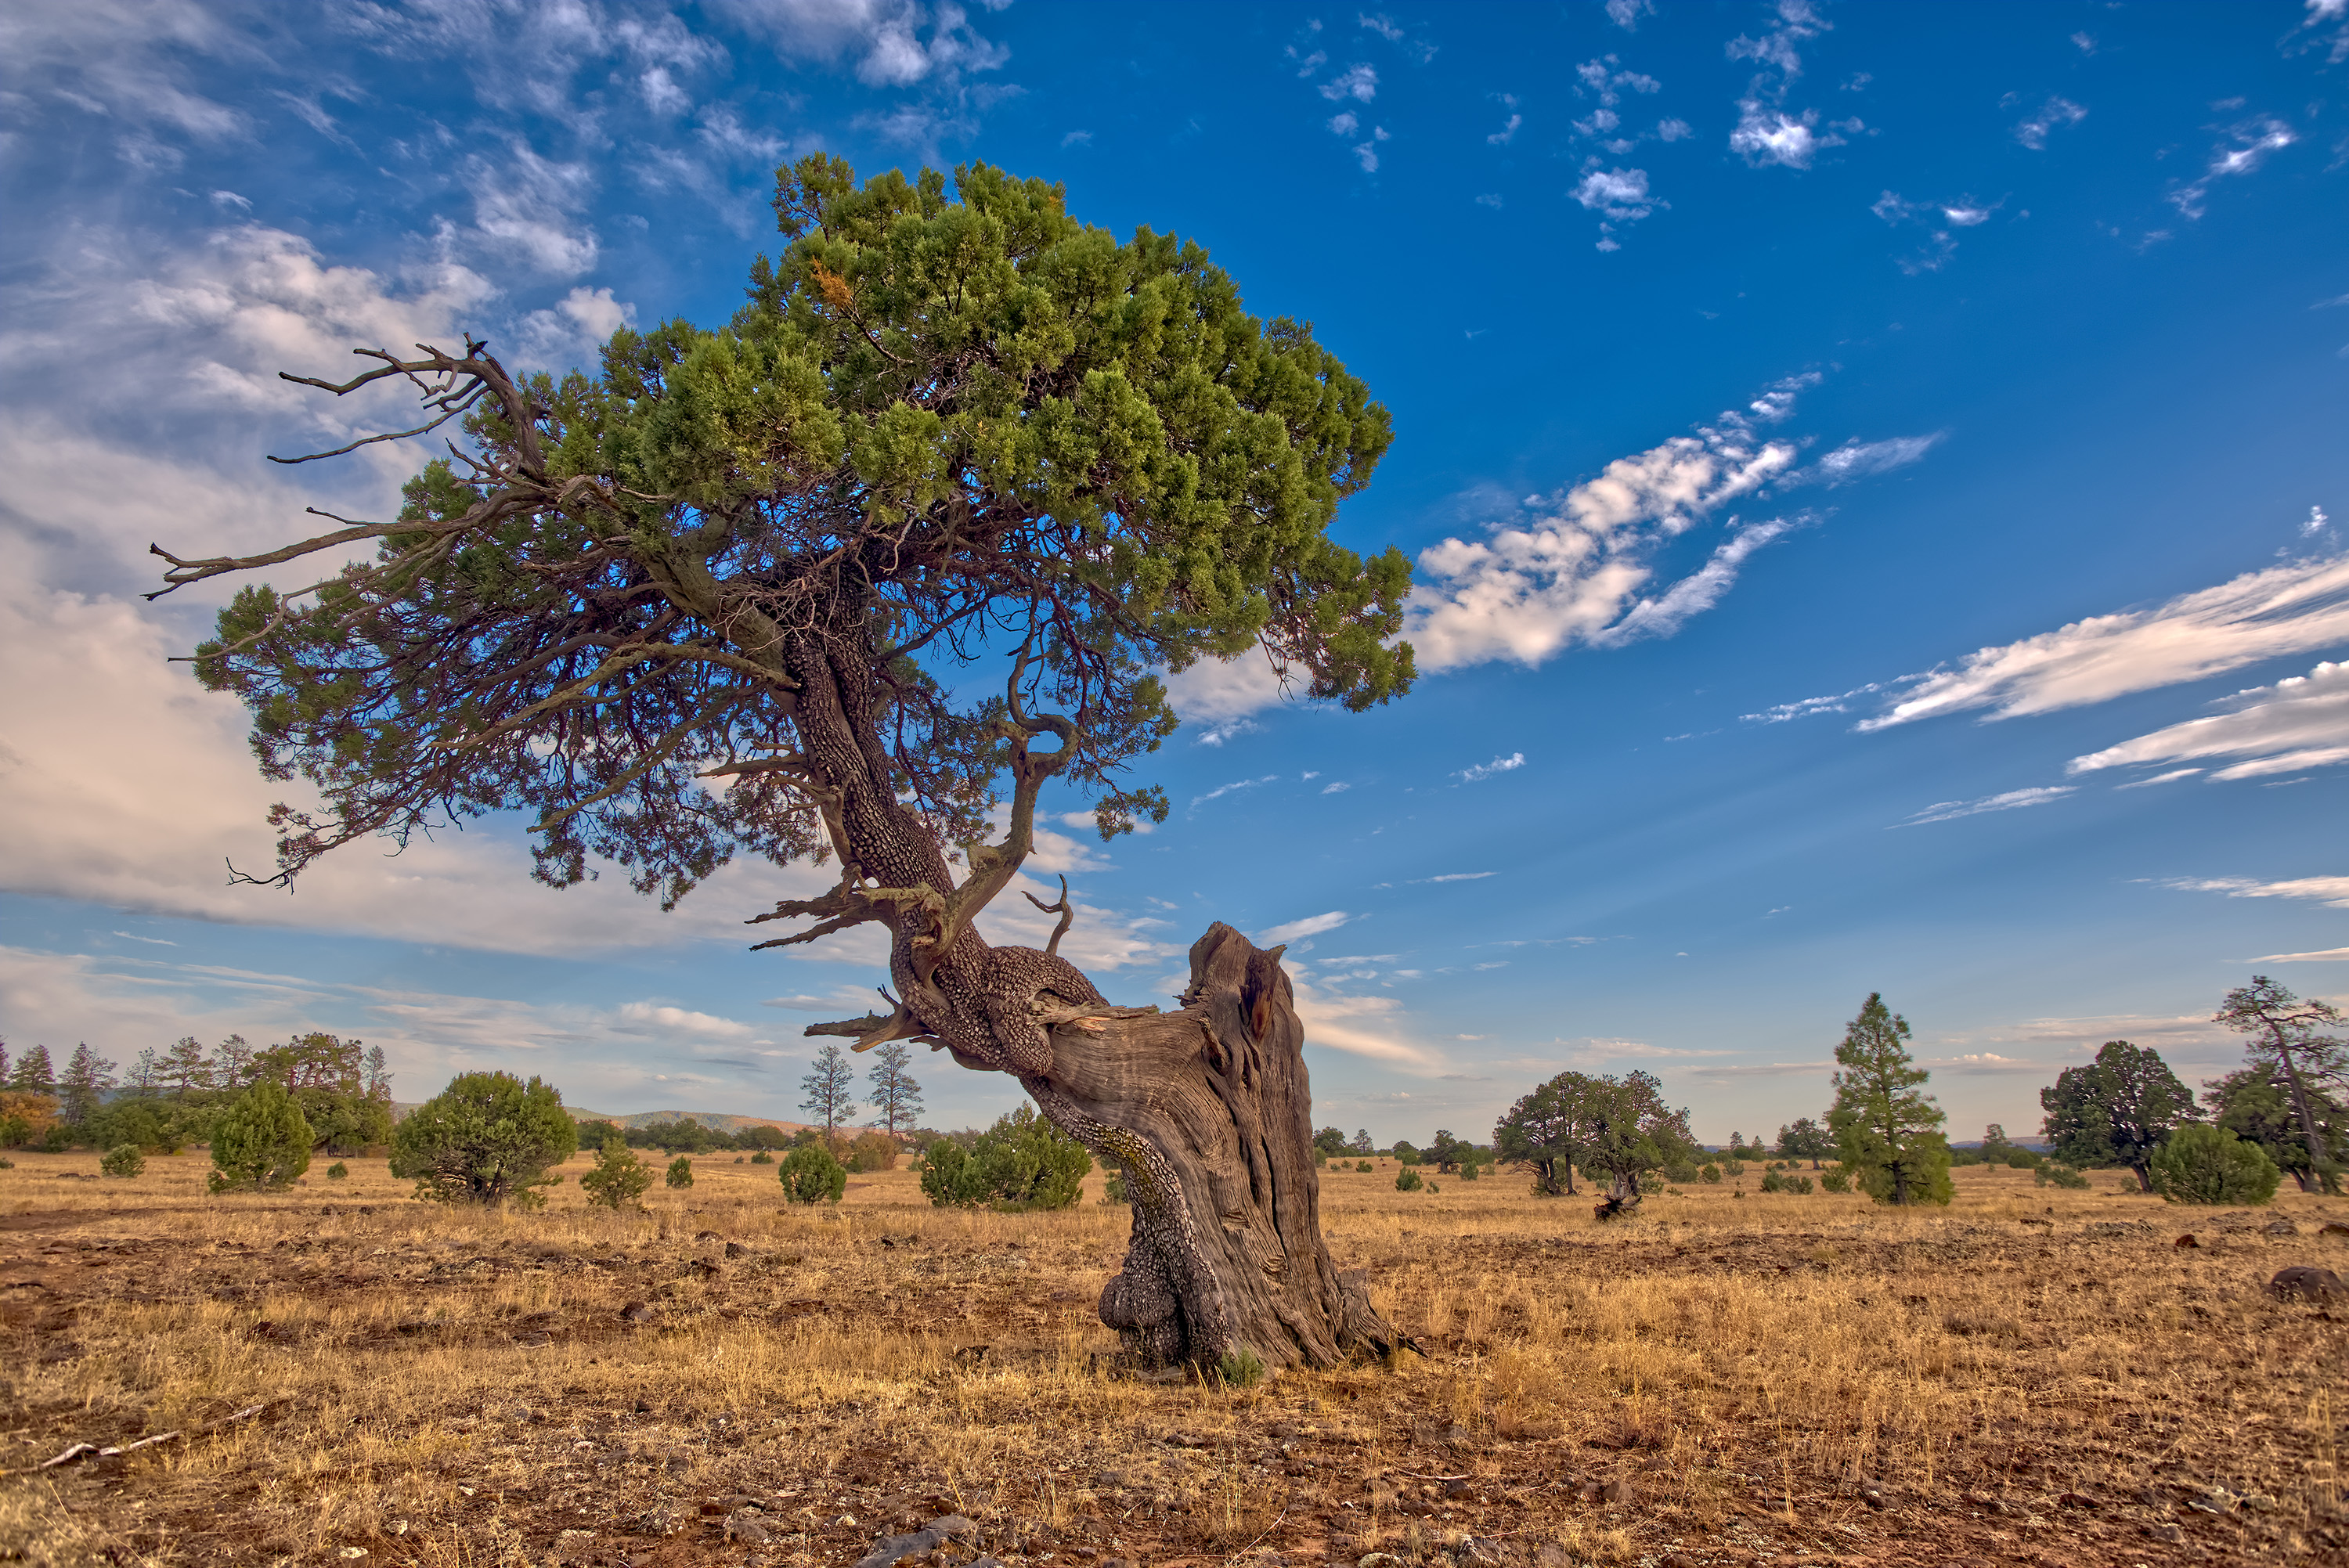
pixel 2281 1113
pixel 176 1097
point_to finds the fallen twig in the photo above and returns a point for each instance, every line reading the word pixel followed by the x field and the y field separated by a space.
pixel 80 1451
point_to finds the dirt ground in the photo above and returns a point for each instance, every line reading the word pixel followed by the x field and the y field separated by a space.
pixel 2031 1375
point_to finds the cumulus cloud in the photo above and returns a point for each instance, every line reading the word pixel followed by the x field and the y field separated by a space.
pixel 2011 799
pixel 1766 135
pixel 2299 722
pixel 1620 196
pixel 569 334
pixel 2294 608
pixel 1360 83
pixel 1625 13
pixel 2035 127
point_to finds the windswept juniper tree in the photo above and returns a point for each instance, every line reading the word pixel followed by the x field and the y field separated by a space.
pixel 717 599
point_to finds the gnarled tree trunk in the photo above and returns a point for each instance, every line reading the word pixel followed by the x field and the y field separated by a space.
pixel 1208 1112
pixel 1207 1109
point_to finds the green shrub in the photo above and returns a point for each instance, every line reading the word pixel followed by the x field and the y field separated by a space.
pixel 1682 1172
pixel 7 1164
pixel 259 1143
pixel 2023 1160
pixel 1240 1368
pixel 1407 1181
pixel 2201 1163
pixel 1363 1166
pixel 680 1172
pixel 1114 1190
pixel 763 1158
pixel 1434 1188
pixel 1732 1167
pixel 337 1171
pixel 2054 1173
pixel 811 1175
pixel 485 1139
pixel 1711 1173
pixel 1778 1179
pixel 1468 1169
pixel 123 1160
pixel 1022 1162
pixel 1835 1179
pixel 619 1177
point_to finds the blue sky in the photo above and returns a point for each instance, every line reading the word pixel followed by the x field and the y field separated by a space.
pixel 1871 472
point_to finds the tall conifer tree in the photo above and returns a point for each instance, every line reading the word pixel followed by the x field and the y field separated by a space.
pixel 1887 1130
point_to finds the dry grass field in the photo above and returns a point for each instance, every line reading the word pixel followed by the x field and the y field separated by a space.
pixel 2030 1375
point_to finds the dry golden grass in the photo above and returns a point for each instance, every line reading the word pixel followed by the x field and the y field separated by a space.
pixel 1760 1379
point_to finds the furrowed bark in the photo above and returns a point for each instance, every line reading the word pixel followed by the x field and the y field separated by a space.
pixel 1208 1112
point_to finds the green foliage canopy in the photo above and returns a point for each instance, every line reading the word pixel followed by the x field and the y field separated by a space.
pixel 1887 1130
pixel 941 422
pixel 261 1142
pixel 618 1178
pixel 485 1139
pixel 811 1175
pixel 2115 1110
pixel 2201 1163
pixel 1022 1162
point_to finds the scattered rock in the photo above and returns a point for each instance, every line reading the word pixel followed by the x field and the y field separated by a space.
pixel 1109 1479
pixel 662 1519
pixel 1616 1491
pixel 1872 1498
pixel 2301 1281
pixel 2165 1532
pixel 737 1250
pixel 636 1311
pixel 1378 1560
pixel 700 1236
pixel 1477 1552
pixel 2186 1241
pixel 2332 1228
pixel 2278 1227
pixel 971 1355
pixel 747 1528
pixel 930 1538
pixel 1456 1487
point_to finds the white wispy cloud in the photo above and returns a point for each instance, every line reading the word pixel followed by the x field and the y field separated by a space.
pixel 2331 892
pixel 2008 800
pixel 2302 721
pixel 2330 955
pixel 2246 147
pixel 2035 127
pixel 1797 21
pixel 1298 930
pixel 1484 770
pixel 1625 13
pixel 1237 785
pixel 1856 459
pixel 1527 590
pixel 892 43
pixel 1360 83
pixel 1449 877
pixel 2298 607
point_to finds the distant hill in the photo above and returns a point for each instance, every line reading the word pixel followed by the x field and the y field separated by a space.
pixel 715 1119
